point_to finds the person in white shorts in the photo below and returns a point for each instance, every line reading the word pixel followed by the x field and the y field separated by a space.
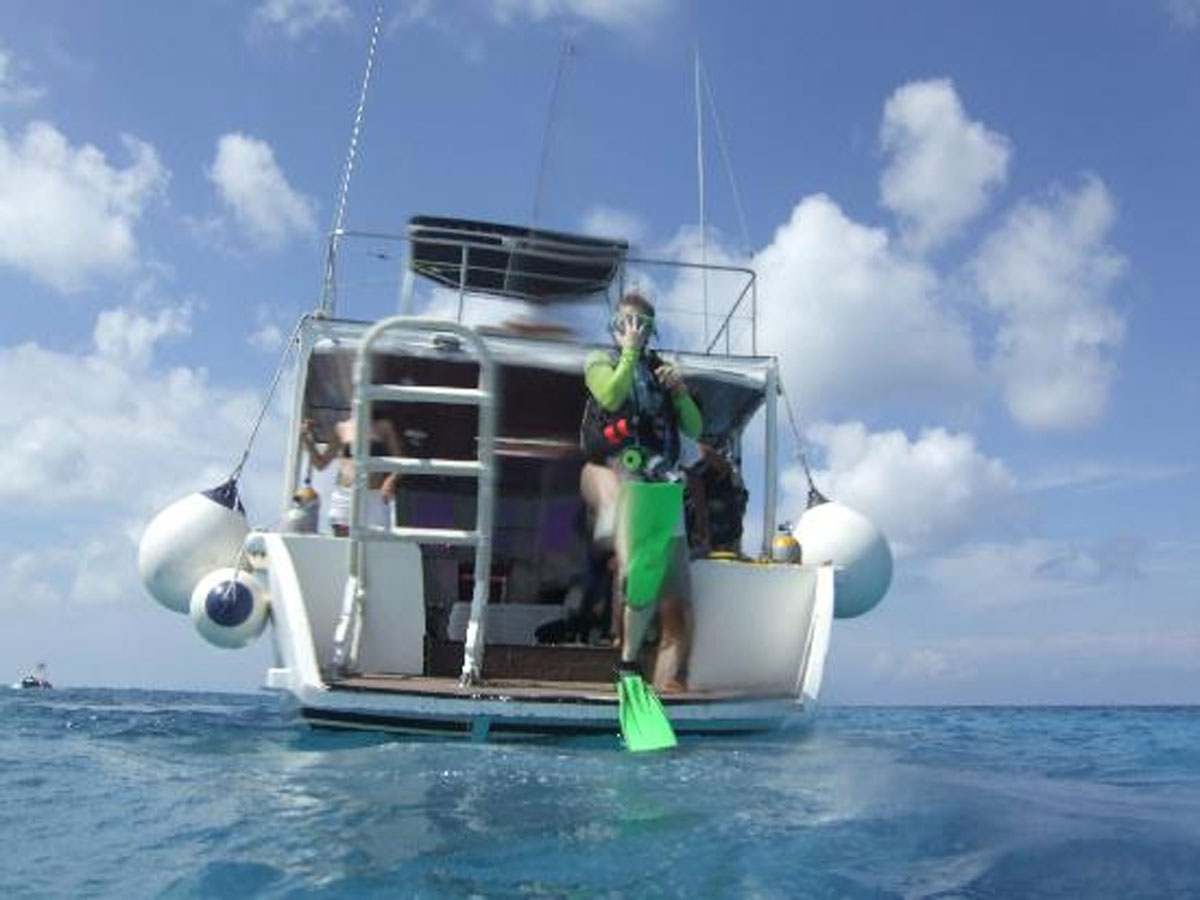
pixel 381 487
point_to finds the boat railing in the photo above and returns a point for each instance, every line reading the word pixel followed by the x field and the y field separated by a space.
pixel 482 468
pixel 539 271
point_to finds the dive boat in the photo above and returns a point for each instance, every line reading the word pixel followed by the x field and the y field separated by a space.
pixel 448 619
pixel 34 680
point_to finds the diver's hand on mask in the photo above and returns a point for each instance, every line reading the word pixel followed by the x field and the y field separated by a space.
pixel 632 333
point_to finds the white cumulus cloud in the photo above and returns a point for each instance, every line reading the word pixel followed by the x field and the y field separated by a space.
pixel 128 338
pixel 101 440
pixel 296 18
pixel 624 15
pixel 66 215
pixel 607 222
pixel 924 493
pixel 256 193
pixel 1036 570
pixel 268 338
pixel 14 91
pixel 1184 14
pixel 1048 272
pixel 942 166
pixel 855 323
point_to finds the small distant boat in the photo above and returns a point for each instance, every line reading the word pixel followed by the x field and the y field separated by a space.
pixel 34 680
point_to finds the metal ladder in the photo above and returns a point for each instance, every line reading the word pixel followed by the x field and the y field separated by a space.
pixel 348 632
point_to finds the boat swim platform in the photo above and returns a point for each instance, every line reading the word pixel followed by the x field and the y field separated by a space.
pixel 529 689
pixel 524 708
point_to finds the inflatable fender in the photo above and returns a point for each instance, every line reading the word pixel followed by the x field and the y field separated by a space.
pixel 190 537
pixel 228 608
pixel 831 532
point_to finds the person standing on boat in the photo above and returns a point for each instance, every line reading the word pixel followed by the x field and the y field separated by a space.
pixel 637 406
pixel 716 501
pixel 381 487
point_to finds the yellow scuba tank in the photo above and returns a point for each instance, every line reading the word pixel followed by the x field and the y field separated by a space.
pixel 785 548
pixel 304 513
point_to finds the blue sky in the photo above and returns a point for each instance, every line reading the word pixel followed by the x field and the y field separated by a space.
pixel 974 227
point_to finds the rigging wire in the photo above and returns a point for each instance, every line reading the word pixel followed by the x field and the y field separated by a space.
pixel 339 216
pixel 704 83
pixel 338 221
pixel 724 148
pixel 700 181
pixel 566 51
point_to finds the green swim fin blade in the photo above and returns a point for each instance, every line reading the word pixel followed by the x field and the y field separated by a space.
pixel 644 723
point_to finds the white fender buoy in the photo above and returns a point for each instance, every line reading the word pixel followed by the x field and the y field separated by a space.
pixel 831 532
pixel 190 537
pixel 228 608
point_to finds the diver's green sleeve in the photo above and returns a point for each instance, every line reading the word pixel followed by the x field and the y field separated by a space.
pixel 610 385
pixel 691 422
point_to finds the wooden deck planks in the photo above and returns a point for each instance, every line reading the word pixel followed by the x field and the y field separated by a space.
pixel 519 689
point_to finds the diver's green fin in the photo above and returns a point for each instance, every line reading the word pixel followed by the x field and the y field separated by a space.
pixel 644 724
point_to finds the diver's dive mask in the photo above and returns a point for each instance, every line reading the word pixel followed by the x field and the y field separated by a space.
pixel 623 320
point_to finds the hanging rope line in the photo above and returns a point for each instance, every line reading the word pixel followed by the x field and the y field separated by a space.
pixel 293 341
pixel 339 216
pixel 815 497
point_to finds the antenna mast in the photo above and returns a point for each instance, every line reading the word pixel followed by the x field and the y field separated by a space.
pixel 339 216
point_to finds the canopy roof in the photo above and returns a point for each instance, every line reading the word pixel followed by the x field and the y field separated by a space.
pixel 513 261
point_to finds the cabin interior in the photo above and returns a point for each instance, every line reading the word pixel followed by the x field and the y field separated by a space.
pixel 543 563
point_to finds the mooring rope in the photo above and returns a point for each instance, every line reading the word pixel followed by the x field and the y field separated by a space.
pixel 814 494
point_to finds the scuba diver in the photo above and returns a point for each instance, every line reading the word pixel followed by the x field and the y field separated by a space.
pixel 637 406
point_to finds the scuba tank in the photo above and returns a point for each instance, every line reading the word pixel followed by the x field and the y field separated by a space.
pixel 302 516
pixel 785 548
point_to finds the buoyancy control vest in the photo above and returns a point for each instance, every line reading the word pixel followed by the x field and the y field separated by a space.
pixel 646 419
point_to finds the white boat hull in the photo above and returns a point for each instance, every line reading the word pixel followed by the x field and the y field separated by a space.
pixel 494 716
pixel 759 645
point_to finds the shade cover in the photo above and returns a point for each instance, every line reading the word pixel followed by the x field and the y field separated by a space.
pixel 527 264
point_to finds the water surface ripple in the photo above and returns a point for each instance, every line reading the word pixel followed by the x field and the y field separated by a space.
pixel 134 793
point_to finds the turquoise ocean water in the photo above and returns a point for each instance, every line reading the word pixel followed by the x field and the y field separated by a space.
pixel 141 794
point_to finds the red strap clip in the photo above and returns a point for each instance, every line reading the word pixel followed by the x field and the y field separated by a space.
pixel 617 431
